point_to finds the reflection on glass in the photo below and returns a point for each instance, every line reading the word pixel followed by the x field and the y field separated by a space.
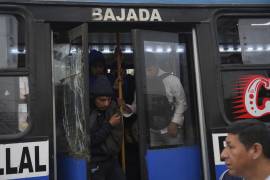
pixel 69 85
pixel 165 97
pixel 244 40
pixel 22 115
pixel 14 93
pixel 11 54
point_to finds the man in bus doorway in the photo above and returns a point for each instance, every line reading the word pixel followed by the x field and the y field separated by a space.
pixel 97 66
pixel 105 132
pixel 166 104
pixel 247 151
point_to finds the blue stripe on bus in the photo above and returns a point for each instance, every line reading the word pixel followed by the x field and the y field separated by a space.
pixel 174 163
pixel 220 169
pixel 70 168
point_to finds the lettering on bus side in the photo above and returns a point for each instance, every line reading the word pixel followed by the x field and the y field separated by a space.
pixel 22 160
pixel 126 15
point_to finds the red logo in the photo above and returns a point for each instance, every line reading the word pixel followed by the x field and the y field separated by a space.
pixel 246 102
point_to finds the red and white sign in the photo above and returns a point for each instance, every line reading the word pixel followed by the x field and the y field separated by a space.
pixel 246 104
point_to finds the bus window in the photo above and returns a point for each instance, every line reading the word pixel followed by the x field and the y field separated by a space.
pixel 244 44
pixel 14 89
pixel 70 96
pixel 13 105
pixel 12 51
pixel 164 91
pixel 254 40
pixel 244 40
pixel 229 44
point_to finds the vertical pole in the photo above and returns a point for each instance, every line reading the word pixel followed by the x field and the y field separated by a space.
pixel 120 95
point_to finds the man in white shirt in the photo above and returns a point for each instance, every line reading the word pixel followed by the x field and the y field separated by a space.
pixel 165 103
pixel 247 151
pixel 165 106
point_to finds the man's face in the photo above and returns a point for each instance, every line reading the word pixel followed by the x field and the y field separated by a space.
pixel 151 71
pixel 100 70
pixel 237 158
pixel 97 70
pixel 103 102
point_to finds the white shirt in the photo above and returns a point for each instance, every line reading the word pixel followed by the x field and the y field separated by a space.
pixel 174 91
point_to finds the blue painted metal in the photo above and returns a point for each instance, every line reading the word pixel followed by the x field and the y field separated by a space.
pixel 70 168
pixel 220 169
pixel 174 163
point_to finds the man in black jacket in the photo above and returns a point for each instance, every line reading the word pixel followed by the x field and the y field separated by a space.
pixel 105 131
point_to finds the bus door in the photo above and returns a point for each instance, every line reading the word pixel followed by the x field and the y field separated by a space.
pixel 71 98
pixel 166 105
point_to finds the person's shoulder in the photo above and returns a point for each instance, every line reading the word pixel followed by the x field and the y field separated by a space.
pixel 165 75
pixel 170 77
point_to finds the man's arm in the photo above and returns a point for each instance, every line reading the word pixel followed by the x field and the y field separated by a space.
pixel 175 93
pixel 100 135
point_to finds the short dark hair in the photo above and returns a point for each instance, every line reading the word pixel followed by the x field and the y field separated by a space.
pixel 101 87
pixel 96 59
pixel 151 60
pixel 252 131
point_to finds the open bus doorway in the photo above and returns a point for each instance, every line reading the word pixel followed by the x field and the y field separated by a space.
pixel 101 47
pixel 105 38
pixel 108 51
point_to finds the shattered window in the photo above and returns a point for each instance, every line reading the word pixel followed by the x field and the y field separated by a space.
pixel 69 88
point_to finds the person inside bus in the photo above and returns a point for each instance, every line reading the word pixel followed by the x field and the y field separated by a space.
pixel 247 151
pixel 128 82
pixel 117 75
pixel 166 104
pixel 128 90
pixel 97 65
pixel 105 132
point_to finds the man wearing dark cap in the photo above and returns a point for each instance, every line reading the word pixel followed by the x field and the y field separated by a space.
pixel 247 151
pixel 97 65
pixel 105 132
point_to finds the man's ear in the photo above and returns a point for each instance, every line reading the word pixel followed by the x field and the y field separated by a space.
pixel 256 150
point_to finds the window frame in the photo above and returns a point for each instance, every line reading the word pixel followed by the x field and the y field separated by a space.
pixel 240 13
pixel 23 17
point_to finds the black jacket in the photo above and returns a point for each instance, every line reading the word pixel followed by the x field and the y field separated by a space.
pixel 105 139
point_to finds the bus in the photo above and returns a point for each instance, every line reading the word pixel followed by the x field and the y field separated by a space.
pixel 218 49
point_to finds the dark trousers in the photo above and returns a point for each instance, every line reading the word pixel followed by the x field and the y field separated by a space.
pixel 106 170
